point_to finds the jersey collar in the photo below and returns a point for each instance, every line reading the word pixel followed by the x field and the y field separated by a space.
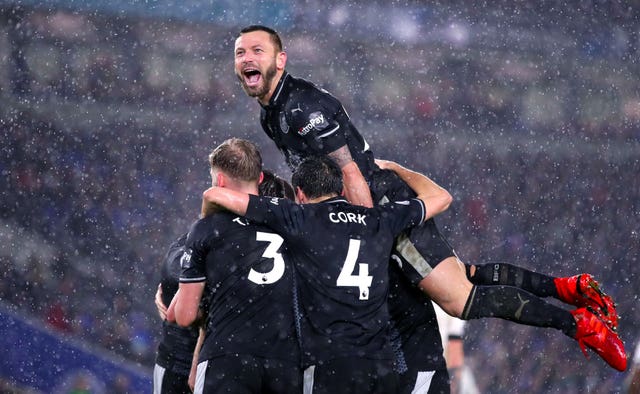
pixel 278 93
pixel 336 200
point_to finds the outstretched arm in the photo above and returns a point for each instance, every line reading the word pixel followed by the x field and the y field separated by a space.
pixel 355 186
pixel 236 202
pixel 435 198
pixel 208 208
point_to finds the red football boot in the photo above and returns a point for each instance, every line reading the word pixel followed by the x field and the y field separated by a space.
pixel 584 292
pixel 593 332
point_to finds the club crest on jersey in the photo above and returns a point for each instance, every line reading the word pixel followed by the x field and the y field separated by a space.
pixel 316 121
pixel 185 260
pixel 284 126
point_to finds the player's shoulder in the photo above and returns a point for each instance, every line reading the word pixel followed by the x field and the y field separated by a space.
pixel 282 206
pixel 176 249
pixel 304 90
pixel 271 201
pixel 301 84
pixel 179 242
pixel 213 223
pixel 401 207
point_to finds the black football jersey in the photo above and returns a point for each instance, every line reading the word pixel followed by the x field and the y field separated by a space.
pixel 415 326
pixel 304 120
pixel 175 350
pixel 341 254
pixel 249 287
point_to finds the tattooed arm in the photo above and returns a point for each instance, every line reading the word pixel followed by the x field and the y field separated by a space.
pixel 356 189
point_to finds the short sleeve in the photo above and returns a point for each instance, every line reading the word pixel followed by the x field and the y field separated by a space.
pixel 280 214
pixel 320 119
pixel 193 260
pixel 403 214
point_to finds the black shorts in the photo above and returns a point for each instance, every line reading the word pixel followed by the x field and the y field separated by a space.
pixel 425 382
pixel 423 246
pixel 353 375
pixel 245 374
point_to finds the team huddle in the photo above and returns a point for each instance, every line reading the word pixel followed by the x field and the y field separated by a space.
pixel 324 284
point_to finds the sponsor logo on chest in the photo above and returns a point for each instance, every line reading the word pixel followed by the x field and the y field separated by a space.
pixel 316 121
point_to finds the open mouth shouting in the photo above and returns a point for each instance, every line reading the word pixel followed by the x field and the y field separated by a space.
pixel 252 77
pixel 256 82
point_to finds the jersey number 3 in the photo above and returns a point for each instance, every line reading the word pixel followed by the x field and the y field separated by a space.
pixel 346 278
pixel 271 252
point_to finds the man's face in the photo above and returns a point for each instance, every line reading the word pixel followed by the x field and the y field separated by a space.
pixel 256 63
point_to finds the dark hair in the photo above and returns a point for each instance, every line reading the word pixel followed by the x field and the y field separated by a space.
pixel 275 38
pixel 318 176
pixel 274 186
pixel 240 159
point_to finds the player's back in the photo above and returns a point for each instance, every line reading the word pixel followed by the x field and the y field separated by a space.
pixel 341 261
pixel 340 253
pixel 250 287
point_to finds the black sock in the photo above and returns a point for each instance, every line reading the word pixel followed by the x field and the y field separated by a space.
pixel 511 275
pixel 514 304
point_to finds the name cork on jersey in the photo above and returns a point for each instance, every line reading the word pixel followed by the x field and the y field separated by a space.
pixel 348 217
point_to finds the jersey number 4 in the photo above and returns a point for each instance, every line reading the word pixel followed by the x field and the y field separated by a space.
pixel 271 252
pixel 346 278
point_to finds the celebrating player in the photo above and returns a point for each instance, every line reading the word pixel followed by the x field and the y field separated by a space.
pixel 251 344
pixel 340 253
pixel 304 120
pixel 175 356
